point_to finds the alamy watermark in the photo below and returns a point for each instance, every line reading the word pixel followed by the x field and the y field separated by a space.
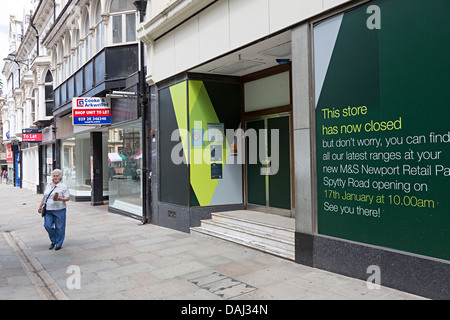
pixel 74 280
pixel 374 21
pixel 257 150
pixel 374 280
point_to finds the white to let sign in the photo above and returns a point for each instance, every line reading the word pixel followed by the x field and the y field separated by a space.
pixel 91 111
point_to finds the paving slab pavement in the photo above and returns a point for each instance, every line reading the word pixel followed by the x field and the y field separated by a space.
pixel 107 256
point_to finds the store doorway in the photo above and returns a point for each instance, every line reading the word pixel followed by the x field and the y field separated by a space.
pixel 268 176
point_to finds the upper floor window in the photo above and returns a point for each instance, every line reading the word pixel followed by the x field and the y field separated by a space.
pixel 99 28
pixel 78 58
pixel 49 102
pixel 87 38
pixel 33 107
pixel 123 14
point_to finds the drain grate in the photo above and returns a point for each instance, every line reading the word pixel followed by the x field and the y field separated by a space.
pixel 219 284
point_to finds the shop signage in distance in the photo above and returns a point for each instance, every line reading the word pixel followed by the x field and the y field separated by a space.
pixel 31 135
pixel 9 154
pixel 91 111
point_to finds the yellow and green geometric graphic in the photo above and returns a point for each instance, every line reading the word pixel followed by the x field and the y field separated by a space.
pixel 194 110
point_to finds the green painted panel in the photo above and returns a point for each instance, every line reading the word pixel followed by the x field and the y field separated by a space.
pixel 280 183
pixel 383 165
pixel 256 183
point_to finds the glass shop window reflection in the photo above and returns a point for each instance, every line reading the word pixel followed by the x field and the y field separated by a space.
pixel 125 168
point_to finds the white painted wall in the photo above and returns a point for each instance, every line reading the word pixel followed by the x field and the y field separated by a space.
pixel 223 27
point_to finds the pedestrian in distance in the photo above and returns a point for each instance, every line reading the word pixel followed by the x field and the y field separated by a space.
pixel 56 195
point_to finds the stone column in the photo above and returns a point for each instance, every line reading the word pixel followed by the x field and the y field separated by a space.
pixel 305 213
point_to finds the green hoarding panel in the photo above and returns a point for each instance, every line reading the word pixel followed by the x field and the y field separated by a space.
pixel 256 182
pixel 280 182
pixel 382 125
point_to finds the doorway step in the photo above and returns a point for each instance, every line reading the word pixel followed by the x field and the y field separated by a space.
pixel 262 231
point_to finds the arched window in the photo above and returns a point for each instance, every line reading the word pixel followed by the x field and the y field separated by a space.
pixel 66 63
pixel 78 50
pixel 60 47
pixel 61 62
pixel 99 28
pixel 67 44
pixel 60 55
pixel 33 107
pixel 54 58
pixel 123 14
pixel 98 12
pixel 49 102
pixel 86 25
pixel 87 37
pixel 122 5
pixel 71 54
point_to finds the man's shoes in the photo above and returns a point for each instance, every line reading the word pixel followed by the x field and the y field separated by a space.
pixel 51 246
pixel 57 248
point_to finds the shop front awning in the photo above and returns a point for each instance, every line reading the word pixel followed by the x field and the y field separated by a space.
pixel 116 157
pixel 138 155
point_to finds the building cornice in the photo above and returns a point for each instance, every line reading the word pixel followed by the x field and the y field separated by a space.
pixel 174 15
pixel 41 61
pixel 43 15
pixel 57 27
